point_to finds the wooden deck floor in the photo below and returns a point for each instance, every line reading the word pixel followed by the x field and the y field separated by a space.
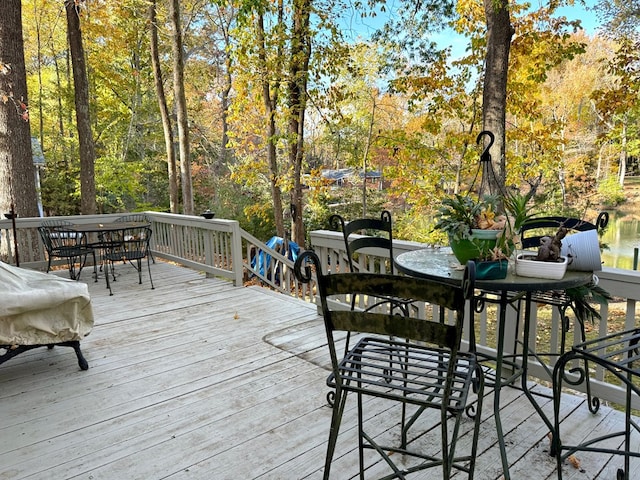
pixel 199 379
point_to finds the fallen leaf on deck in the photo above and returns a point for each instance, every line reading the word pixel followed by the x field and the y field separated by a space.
pixel 573 460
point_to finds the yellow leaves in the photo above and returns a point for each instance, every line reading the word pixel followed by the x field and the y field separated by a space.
pixel 487 220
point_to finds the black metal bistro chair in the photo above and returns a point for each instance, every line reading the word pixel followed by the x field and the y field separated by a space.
pixel 429 371
pixel 537 227
pixel 141 218
pixel 130 245
pixel 531 234
pixel 619 355
pixel 369 246
pixel 60 242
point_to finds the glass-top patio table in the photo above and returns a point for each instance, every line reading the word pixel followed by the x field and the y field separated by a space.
pixel 440 264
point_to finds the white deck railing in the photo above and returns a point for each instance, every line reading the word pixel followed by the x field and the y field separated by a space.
pixel 221 248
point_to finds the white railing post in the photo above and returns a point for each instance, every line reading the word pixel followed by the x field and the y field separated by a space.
pixel 236 254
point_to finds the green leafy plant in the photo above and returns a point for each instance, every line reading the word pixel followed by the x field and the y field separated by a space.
pixel 460 215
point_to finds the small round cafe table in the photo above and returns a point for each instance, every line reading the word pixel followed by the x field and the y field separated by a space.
pixel 440 264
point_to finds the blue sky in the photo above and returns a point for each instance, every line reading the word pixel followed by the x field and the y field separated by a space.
pixel 366 26
pixel 580 12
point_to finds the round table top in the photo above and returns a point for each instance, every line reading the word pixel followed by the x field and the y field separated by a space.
pixel 440 264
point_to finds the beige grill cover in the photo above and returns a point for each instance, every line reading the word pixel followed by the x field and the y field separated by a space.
pixel 38 308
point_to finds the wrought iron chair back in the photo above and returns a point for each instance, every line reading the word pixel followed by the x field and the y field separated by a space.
pixel 426 370
pixel 364 234
pixel 536 228
pixel 619 355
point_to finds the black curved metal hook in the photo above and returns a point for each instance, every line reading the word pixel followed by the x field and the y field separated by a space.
pixel 486 156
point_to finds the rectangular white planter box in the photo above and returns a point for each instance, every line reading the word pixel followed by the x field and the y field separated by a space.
pixel 534 268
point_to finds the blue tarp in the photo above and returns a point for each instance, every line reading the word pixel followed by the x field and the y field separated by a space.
pixel 262 260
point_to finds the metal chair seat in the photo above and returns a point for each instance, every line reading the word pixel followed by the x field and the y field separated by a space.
pixel 417 377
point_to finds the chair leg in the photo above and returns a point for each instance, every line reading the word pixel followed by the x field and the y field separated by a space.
pixel 336 419
pixel 106 275
pixel 150 278
pixel 71 265
pixel 139 268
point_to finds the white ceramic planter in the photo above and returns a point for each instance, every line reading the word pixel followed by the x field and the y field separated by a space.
pixel 527 267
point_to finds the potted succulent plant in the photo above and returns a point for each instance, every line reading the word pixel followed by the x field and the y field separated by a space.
pixel 472 226
pixel 484 230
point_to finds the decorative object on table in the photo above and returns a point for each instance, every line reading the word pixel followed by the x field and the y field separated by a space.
pixel 528 265
pixel 477 232
pixel 547 262
pixel 492 269
pixel 472 227
pixel 208 214
pixel 583 251
pixel 549 249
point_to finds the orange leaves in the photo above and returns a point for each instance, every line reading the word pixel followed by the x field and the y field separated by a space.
pixel 573 460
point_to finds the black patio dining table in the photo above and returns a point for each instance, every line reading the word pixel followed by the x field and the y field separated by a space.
pixel 440 264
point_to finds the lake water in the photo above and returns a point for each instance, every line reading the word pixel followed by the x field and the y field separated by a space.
pixel 622 235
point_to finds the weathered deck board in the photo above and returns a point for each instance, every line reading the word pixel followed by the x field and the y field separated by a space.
pixel 198 379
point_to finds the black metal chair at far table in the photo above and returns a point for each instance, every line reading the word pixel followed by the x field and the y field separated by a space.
pixel 430 371
pixel 140 218
pixel 61 243
pixel 619 355
pixel 531 234
pixel 129 245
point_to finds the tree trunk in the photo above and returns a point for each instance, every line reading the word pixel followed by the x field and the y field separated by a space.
pixel 365 158
pixel 181 108
pixel 83 118
pixel 226 20
pixel 17 173
pixel 494 98
pixel 270 101
pixel 174 201
pixel 622 171
pixel 298 77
